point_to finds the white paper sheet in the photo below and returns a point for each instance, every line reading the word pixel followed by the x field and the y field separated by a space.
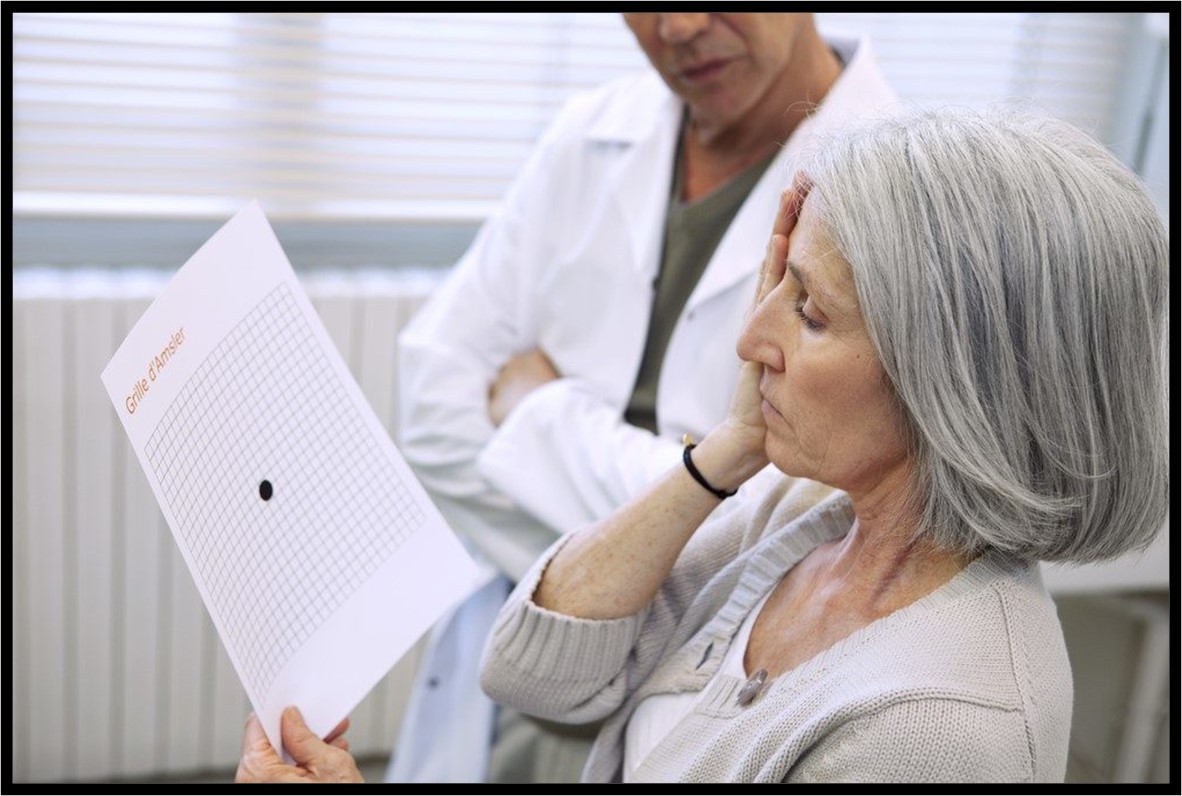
pixel 317 553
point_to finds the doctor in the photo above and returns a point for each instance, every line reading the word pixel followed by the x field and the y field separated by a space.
pixel 593 323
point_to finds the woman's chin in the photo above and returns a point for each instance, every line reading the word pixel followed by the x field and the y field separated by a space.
pixel 788 462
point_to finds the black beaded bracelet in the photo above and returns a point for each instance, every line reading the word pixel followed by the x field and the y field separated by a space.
pixel 689 465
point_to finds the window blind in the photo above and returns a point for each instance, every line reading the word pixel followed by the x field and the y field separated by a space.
pixel 414 116
pixel 366 115
pixel 1070 65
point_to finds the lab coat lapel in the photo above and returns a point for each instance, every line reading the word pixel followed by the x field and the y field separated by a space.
pixel 732 262
pixel 640 188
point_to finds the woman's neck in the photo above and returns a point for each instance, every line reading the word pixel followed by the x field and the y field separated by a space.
pixel 877 570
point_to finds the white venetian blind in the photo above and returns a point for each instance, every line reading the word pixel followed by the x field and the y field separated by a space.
pixel 338 115
pixel 415 116
pixel 1068 64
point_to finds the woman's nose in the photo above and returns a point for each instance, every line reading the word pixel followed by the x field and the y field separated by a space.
pixel 756 343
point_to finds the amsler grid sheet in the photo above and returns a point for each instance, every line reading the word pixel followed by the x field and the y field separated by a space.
pixel 318 555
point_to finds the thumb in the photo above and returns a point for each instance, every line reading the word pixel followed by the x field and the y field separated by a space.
pixel 255 745
pixel 298 740
pixel 253 734
pixel 745 402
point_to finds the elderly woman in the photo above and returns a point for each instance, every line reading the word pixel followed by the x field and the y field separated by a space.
pixel 955 364
pixel 961 330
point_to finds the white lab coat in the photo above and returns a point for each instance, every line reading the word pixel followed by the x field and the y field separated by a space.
pixel 567 266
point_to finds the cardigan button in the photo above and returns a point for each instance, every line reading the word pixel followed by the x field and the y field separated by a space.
pixel 751 688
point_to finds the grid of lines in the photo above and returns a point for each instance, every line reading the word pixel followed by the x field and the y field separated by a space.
pixel 266 405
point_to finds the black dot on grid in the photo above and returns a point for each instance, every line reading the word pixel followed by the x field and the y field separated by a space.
pixel 265 489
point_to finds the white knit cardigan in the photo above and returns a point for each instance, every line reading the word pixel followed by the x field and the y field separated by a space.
pixel 970 683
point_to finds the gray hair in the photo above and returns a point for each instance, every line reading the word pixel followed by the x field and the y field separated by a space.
pixel 1013 278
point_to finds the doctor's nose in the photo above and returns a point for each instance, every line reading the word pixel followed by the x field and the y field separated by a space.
pixel 680 28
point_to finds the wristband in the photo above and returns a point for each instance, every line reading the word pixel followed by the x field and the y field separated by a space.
pixel 689 465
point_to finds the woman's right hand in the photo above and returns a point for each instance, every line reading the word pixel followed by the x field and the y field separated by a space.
pixel 742 435
pixel 745 413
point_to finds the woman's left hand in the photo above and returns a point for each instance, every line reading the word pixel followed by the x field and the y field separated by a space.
pixel 316 760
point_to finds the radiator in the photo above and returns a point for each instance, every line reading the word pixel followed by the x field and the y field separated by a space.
pixel 117 671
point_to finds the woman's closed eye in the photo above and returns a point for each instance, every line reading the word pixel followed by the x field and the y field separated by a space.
pixel 811 323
